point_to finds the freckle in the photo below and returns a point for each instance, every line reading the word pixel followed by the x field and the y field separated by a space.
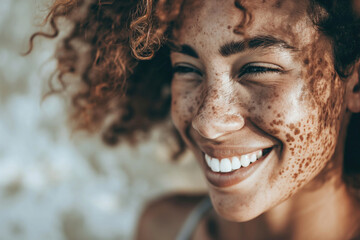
pixel 258 119
pixel 289 138
pixel 297 131
pixel 301 138
pixel 251 109
pixel 278 4
pixel 308 137
pixel 228 27
pixel 269 107
pixel 278 115
pixel 312 80
pixel 319 74
pixel 274 131
pixel 311 70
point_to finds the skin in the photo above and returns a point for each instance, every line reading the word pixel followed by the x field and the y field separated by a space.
pixel 297 104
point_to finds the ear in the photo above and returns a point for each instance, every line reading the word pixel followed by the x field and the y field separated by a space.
pixel 354 90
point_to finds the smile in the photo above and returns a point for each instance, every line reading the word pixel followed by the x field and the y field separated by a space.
pixel 228 171
pixel 231 164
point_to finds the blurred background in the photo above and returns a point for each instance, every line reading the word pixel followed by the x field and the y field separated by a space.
pixel 55 184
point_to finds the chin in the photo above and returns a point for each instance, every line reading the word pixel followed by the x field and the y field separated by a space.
pixel 240 215
pixel 235 211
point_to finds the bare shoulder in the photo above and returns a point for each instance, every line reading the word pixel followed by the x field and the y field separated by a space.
pixel 163 217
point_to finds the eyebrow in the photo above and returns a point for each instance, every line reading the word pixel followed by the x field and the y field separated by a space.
pixel 253 43
pixel 184 49
pixel 234 47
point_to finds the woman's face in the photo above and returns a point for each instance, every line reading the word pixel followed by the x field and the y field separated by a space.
pixel 263 97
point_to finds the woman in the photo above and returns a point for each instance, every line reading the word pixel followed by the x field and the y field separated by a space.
pixel 262 92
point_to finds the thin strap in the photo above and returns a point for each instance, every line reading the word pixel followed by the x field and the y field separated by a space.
pixel 193 219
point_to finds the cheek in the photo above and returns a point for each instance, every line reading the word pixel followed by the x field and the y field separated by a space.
pixel 311 141
pixel 279 112
pixel 305 131
pixel 326 90
pixel 183 106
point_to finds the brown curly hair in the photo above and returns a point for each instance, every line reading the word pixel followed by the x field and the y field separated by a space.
pixel 125 69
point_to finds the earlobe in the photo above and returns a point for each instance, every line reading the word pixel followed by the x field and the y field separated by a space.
pixel 354 90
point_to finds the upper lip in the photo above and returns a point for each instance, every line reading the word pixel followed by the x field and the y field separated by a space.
pixel 248 140
pixel 230 151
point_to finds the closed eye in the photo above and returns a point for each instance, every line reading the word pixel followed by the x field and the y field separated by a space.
pixel 185 69
pixel 255 70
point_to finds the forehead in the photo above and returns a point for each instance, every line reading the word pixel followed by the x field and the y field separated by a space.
pixel 217 21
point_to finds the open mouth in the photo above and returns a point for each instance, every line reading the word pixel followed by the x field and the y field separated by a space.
pixel 231 164
pixel 229 171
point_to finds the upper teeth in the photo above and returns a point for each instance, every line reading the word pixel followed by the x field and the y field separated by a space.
pixel 233 163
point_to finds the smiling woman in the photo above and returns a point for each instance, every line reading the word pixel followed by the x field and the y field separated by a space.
pixel 264 93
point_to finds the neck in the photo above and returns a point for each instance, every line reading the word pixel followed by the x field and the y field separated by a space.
pixel 329 212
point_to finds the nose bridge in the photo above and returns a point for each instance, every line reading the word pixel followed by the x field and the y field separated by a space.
pixel 215 101
pixel 217 114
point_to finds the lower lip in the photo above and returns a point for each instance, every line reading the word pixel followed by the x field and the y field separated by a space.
pixel 222 180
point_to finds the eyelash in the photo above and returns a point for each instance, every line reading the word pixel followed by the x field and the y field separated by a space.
pixel 252 69
pixel 257 70
pixel 181 69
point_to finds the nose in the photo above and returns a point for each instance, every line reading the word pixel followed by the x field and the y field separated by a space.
pixel 217 116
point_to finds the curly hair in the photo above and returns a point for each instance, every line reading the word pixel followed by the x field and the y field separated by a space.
pixel 126 73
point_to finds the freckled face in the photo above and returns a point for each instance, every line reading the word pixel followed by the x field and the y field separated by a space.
pixel 284 95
